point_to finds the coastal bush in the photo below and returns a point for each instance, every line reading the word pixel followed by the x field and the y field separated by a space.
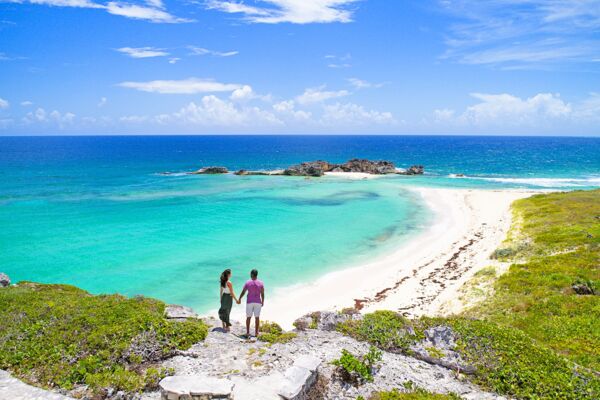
pixel 271 332
pixel 356 370
pixel 61 336
pixel 536 295
pixel 385 329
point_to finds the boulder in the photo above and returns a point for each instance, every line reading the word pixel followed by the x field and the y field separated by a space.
pixel 174 311
pixel 368 166
pixel 329 321
pixel 4 280
pixel 210 171
pixel 300 378
pixel 438 349
pixel 582 289
pixel 414 170
pixel 313 168
pixel 195 387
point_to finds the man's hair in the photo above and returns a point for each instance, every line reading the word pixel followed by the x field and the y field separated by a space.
pixel 253 273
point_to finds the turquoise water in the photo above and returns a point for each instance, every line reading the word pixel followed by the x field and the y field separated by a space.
pixel 96 213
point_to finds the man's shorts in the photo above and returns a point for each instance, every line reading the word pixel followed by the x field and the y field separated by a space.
pixel 253 309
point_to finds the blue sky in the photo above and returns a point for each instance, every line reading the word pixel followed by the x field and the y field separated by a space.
pixel 529 67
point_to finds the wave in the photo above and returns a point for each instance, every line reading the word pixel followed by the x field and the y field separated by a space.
pixel 541 182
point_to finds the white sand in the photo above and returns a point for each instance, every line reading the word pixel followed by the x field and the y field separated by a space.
pixel 419 277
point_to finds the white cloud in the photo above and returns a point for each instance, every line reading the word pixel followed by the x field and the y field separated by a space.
pixel 523 33
pixel 4 103
pixel 318 94
pixel 143 52
pixel 201 51
pixel 360 84
pixel 354 115
pixel 42 116
pixel 145 13
pixel 184 86
pixel 288 108
pixel 26 103
pixel 293 11
pixel 174 60
pixel 153 12
pixel 345 65
pixel 64 3
pixel 212 111
pixel 102 102
pixel 512 110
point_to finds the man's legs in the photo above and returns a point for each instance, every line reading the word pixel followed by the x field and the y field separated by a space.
pixel 248 326
pixel 256 324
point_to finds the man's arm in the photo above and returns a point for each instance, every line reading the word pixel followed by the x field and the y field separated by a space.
pixel 262 295
pixel 242 295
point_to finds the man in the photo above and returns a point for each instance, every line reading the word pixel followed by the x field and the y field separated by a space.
pixel 255 301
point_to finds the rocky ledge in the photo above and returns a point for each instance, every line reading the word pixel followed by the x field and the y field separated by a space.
pixel 226 366
pixel 319 168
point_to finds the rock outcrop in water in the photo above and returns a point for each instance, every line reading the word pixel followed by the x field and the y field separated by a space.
pixel 210 171
pixel 319 168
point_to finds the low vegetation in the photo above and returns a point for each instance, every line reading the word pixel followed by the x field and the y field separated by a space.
pixel 355 370
pixel 271 332
pixel 61 336
pixel 418 394
pixel 555 246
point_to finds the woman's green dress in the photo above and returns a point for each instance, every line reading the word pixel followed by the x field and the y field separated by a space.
pixel 225 310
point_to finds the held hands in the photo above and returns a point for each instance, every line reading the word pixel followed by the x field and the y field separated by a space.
pixel 238 301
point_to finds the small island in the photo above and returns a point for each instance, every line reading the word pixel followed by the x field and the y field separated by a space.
pixel 319 168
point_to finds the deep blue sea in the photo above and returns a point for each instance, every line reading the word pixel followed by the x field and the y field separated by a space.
pixel 97 213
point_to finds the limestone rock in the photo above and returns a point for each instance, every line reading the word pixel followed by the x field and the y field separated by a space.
pixel 195 387
pixel 210 171
pixel 4 280
pixel 174 311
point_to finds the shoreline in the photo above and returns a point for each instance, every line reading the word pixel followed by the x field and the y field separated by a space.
pixel 422 275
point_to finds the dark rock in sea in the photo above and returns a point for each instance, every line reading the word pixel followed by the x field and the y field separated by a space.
pixel 210 171
pixel 4 280
pixel 313 168
pixel 414 170
pixel 244 172
pixel 582 289
pixel 368 166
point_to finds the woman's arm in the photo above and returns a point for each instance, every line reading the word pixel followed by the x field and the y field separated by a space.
pixel 232 292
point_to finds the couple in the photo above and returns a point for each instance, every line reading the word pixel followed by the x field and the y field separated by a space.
pixel 256 299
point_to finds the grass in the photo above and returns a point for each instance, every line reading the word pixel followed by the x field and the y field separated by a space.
pixel 61 336
pixel 555 244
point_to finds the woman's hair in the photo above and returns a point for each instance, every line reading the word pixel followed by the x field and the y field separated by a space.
pixel 225 277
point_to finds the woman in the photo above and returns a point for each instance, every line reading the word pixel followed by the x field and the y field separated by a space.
pixel 227 296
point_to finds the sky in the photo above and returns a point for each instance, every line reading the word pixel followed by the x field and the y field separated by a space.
pixel 480 67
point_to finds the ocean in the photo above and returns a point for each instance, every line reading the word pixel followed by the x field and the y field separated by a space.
pixel 97 212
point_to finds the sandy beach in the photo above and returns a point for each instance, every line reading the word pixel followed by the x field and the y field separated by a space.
pixel 423 275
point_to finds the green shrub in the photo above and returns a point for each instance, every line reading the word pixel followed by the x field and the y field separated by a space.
pixel 418 394
pixel 354 369
pixel 271 332
pixel 60 336
pixel 384 329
